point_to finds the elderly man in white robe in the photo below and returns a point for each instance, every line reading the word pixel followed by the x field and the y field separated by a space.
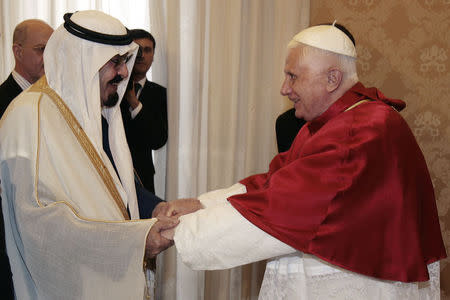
pixel 300 202
pixel 71 217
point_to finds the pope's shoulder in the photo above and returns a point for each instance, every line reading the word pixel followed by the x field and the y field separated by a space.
pixel 370 122
pixel 372 114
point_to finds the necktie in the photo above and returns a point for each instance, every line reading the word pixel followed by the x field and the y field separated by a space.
pixel 137 87
pixel 106 142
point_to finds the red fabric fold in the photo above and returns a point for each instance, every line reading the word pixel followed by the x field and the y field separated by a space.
pixel 354 190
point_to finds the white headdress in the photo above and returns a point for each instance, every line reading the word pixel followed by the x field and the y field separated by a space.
pixel 72 59
pixel 326 37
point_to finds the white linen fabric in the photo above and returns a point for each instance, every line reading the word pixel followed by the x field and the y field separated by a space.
pixel 79 88
pixel 66 236
pixel 302 276
pixel 223 78
pixel 218 237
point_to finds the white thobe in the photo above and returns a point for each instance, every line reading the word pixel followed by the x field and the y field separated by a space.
pixel 66 236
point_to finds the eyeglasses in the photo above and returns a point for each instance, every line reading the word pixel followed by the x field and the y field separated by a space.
pixel 119 60
pixel 39 49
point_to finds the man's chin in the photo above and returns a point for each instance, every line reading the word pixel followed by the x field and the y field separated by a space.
pixel 139 68
pixel 112 100
pixel 298 114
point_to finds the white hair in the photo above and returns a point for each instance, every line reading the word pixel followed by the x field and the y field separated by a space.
pixel 346 64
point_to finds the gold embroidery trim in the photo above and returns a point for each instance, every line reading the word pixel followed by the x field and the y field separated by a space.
pixel 42 86
pixel 357 103
pixel 38 150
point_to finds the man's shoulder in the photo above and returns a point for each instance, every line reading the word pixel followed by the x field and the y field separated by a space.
pixel 288 117
pixel 7 82
pixel 154 85
pixel 10 86
pixel 289 114
pixel 9 90
pixel 157 93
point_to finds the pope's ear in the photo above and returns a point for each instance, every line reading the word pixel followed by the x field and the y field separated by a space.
pixel 334 79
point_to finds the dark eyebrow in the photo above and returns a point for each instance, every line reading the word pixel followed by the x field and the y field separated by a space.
pixel 290 73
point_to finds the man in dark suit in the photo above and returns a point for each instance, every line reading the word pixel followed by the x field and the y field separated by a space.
pixel 29 40
pixel 144 111
pixel 286 128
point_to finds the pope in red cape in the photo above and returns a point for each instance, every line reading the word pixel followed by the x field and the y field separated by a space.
pixel 354 190
pixel 351 197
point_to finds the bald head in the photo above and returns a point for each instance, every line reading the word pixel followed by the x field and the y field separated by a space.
pixel 27 28
pixel 29 40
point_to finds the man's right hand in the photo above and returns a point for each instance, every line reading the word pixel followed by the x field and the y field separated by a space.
pixel 130 96
pixel 155 241
pixel 177 208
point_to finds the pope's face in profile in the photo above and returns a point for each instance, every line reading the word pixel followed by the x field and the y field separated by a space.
pixel 305 82
pixel 111 74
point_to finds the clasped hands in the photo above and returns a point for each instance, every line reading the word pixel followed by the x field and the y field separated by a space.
pixel 161 234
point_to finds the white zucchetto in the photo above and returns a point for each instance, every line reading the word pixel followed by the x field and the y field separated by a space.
pixel 326 37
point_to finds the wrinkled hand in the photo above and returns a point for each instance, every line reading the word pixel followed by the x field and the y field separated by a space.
pixel 168 233
pixel 177 208
pixel 155 241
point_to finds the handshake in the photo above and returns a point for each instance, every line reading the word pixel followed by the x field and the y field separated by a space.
pixel 160 236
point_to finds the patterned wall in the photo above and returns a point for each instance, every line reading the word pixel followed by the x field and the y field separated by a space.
pixel 404 49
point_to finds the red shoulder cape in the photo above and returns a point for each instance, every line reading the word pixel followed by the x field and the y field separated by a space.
pixel 353 190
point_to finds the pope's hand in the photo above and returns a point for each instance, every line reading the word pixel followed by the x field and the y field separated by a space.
pixel 155 241
pixel 168 234
pixel 177 208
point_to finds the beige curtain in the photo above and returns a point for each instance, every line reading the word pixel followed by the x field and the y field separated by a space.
pixel 224 65
pixel 403 49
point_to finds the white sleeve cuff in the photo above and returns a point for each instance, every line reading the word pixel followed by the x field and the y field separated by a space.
pixel 219 237
pixel 220 196
pixel 135 111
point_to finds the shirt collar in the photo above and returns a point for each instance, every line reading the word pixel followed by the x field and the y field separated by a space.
pixel 22 82
pixel 142 81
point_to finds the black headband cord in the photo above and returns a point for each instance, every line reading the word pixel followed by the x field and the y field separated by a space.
pixel 94 36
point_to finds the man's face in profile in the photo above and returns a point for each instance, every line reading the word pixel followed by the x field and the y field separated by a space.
pixel 31 51
pixel 111 74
